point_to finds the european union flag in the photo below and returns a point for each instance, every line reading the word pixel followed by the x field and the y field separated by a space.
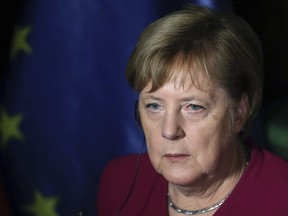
pixel 66 108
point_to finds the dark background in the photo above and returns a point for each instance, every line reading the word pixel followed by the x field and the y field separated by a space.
pixel 267 17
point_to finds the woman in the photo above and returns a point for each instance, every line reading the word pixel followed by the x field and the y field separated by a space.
pixel 199 76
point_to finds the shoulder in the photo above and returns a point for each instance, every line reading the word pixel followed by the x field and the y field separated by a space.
pixel 269 164
pixel 126 165
pixel 122 170
pixel 262 189
pixel 121 163
pixel 267 180
pixel 118 179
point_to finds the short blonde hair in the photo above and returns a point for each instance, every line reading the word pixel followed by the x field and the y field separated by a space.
pixel 221 44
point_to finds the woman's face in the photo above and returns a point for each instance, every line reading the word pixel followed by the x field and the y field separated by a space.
pixel 186 129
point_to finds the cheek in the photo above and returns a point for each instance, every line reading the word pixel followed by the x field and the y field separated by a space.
pixel 153 142
pixel 154 146
pixel 209 136
pixel 151 131
pixel 155 154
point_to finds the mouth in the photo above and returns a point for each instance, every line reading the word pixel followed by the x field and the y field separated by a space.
pixel 176 157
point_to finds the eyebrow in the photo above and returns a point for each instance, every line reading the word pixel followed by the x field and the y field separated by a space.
pixel 149 96
pixel 198 99
pixel 184 99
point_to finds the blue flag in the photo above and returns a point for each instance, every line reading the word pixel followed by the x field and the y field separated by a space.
pixel 66 109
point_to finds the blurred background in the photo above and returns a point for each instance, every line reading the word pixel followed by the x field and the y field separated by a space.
pixel 66 109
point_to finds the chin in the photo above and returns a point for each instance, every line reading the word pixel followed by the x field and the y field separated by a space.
pixel 181 179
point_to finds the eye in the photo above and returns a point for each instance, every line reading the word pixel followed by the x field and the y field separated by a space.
pixel 195 108
pixel 153 106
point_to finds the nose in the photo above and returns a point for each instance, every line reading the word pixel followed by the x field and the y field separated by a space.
pixel 171 127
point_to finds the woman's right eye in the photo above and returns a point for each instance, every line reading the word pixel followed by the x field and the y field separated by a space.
pixel 153 106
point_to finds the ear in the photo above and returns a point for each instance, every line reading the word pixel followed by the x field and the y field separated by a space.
pixel 242 111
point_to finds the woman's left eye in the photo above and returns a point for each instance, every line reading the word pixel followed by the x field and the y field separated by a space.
pixel 195 107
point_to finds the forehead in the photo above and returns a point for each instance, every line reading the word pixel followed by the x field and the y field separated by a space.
pixel 184 78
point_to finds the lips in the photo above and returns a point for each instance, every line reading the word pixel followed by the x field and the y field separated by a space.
pixel 176 157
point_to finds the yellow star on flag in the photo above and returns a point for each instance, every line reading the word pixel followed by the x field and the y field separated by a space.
pixel 9 128
pixel 20 41
pixel 42 206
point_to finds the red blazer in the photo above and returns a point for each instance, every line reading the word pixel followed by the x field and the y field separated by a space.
pixel 262 189
pixel 117 181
